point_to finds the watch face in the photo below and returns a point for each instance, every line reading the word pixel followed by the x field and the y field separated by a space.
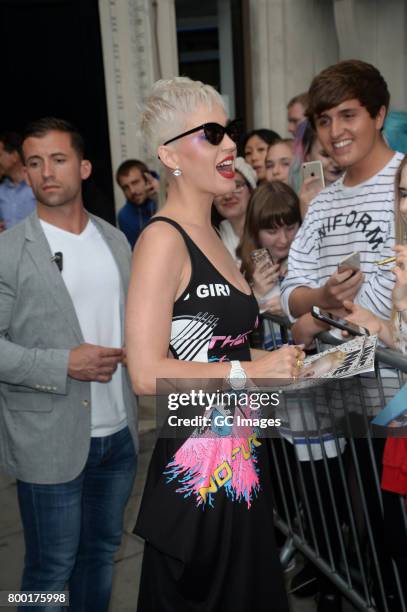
pixel 237 380
pixel 237 377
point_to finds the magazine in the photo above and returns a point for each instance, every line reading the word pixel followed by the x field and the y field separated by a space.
pixel 348 359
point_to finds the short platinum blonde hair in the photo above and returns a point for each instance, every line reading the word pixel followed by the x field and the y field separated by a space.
pixel 170 101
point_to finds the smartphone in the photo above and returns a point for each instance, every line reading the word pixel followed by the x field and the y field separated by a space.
pixel 261 256
pixel 327 317
pixel 313 169
pixel 351 262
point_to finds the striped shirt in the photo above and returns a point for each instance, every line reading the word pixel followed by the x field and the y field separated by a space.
pixel 342 220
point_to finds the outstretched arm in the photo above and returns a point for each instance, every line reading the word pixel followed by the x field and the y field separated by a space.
pixel 160 273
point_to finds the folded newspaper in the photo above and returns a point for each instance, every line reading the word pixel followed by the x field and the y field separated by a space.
pixel 348 359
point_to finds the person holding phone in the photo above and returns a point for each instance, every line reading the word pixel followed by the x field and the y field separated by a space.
pixel 358 209
pixel 140 189
pixel 206 513
pixel 393 333
pixel 153 184
pixel 308 148
pixel 348 103
pixel 272 221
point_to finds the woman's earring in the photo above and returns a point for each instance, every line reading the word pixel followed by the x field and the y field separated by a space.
pixel 177 171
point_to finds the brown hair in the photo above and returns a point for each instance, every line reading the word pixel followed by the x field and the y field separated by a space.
pixel 12 142
pixel 344 81
pixel 287 141
pixel 128 165
pixel 302 98
pixel 271 205
pixel 42 127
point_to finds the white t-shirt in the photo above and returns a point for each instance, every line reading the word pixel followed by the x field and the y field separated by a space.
pixel 92 279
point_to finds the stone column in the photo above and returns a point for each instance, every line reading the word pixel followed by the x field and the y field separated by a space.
pixel 139 46
pixel 375 31
pixel 227 82
pixel 291 40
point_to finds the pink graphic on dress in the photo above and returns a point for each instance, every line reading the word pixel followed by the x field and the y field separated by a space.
pixel 210 461
pixel 205 464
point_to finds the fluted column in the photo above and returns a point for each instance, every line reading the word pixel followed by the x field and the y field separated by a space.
pixel 375 31
pixel 291 40
pixel 139 46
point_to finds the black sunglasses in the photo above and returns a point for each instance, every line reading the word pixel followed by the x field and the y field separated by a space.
pixel 214 132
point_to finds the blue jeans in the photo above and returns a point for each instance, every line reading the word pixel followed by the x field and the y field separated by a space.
pixel 72 530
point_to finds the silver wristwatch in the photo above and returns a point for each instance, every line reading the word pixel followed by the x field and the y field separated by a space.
pixel 237 376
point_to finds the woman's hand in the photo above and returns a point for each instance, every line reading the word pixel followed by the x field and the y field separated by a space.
pixel 310 188
pixel 306 328
pixel 273 305
pixel 286 362
pixel 339 287
pixel 363 317
pixel 152 185
pixel 400 271
pixel 264 279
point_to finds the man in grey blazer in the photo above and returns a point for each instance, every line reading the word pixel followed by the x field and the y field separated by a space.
pixel 68 427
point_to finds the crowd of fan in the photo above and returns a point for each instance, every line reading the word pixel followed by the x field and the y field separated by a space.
pixel 275 206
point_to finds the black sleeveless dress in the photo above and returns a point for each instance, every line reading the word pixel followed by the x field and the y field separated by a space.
pixel 206 513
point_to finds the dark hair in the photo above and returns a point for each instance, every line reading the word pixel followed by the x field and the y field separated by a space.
pixel 344 81
pixel 286 141
pixel 41 127
pixel 268 136
pixel 305 138
pixel 12 142
pixel 128 165
pixel 271 205
pixel 302 98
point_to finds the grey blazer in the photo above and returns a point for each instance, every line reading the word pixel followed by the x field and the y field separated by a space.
pixel 45 414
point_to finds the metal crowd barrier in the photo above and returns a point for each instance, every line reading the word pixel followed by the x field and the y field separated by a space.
pixel 331 507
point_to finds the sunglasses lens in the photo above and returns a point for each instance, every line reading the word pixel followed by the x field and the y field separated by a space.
pixel 214 133
pixel 234 130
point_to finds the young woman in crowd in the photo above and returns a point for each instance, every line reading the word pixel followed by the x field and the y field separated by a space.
pixel 278 160
pixel 206 512
pixel 255 145
pixel 232 206
pixel 272 221
pixel 307 148
pixel 394 334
